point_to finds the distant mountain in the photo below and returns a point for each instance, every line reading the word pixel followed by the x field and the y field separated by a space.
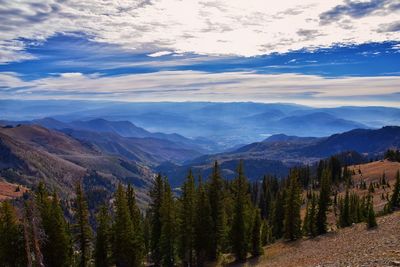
pixel 29 153
pixel 370 142
pixel 276 154
pixel 224 125
pixel 148 150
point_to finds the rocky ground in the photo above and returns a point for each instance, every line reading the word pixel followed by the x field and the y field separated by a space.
pixel 353 246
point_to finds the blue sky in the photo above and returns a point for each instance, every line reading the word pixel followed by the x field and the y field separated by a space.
pixel 323 54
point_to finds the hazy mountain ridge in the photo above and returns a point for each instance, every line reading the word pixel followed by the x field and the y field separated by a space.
pixel 288 151
pixel 227 124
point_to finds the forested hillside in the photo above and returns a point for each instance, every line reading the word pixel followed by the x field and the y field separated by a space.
pixel 205 222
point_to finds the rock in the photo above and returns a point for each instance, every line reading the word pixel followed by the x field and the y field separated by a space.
pixel 395 263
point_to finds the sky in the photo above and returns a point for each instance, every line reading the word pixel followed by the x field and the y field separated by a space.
pixel 318 53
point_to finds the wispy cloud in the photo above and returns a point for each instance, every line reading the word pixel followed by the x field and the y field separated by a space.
pixel 215 27
pixel 204 86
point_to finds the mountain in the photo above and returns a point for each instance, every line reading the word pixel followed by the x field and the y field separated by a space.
pixel 276 154
pixel 224 125
pixel 29 153
pixel 149 151
pixel 317 123
pixel 370 142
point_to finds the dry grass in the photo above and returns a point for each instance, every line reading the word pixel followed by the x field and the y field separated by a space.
pixel 10 191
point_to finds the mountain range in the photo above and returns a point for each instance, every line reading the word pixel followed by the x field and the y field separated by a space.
pixel 213 126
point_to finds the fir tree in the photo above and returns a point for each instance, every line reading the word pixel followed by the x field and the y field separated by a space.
pixel 256 249
pixel 344 218
pixel 240 223
pixel 202 225
pixel 309 224
pixel 292 222
pixel 124 252
pixel 154 213
pixel 103 238
pixel 136 218
pixel 83 229
pixel 56 246
pixel 12 252
pixel 216 196
pixel 168 230
pixel 187 220
pixel 395 198
pixel 323 202
pixel 278 214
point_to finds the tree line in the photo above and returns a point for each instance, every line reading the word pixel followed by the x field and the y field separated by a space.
pixel 196 224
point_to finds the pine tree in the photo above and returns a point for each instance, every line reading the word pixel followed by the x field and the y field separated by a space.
pixel 395 198
pixel 124 237
pixel 12 252
pixel 278 214
pixel 202 225
pixel 344 217
pixel 83 229
pixel 103 238
pixel 154 212
pixel 371 219
pixel 292 221
pixel 168 230
pixel 309 224
pixel 216 196
pixel 56 247
pixel 187 220
pixel 324 202
pixel 240 219
pixel 136 218
pixel 256 235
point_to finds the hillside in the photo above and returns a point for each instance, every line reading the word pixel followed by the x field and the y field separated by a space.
pixel 33 153
pixel 352 246
pixel 276 154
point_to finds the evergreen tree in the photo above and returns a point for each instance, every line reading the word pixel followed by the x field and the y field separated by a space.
pixel 124 251
pixel 187 220
pixel 256 235
pixel 218 226
pixel 82 227
pixel 309 224
pixel 56 246
pixel 154 213
pixel 293 201
pixel 395 198
pixel 344 218
pixel 240 220
pixel 103 239
pixel 12 252
pixel 324 202
pixel 202 225
pixel 136 218
pixel 168 230
pixel 278 214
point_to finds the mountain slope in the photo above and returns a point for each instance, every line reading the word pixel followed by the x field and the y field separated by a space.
pixel 277 154
pixel 33 153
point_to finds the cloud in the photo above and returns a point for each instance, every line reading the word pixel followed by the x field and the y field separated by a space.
pixel 357 9
pixel 203 27
pixel 205 86
pixel 160 54
pixel 390 27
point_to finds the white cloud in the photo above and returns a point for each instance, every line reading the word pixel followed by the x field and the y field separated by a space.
pixel 160 54
pixel 204 86
pixel 210 27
